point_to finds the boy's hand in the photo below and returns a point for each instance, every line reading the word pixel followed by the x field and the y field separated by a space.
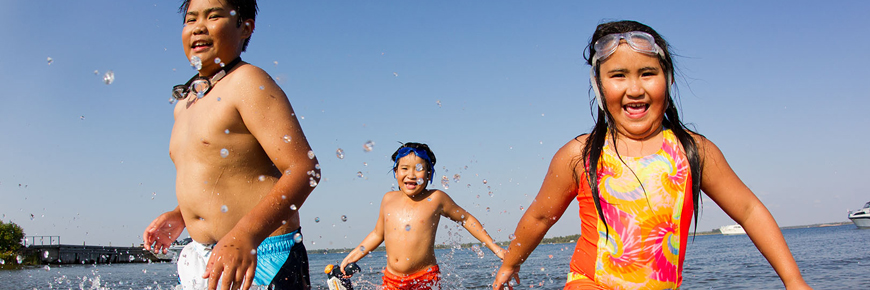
pixel 344 264
pixel 160 234
pixel 234 259
pixel 503 277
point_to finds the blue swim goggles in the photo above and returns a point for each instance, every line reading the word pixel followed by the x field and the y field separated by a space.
pixel 420 153
pixel 638 41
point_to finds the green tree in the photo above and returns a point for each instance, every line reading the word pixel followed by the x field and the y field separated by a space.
pixel 10 238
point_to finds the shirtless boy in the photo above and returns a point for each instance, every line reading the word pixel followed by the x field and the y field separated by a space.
pixel 241 160
pixel 408 221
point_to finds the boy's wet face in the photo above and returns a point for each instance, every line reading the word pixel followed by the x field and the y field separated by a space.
pixel 412 174
pixel 211 31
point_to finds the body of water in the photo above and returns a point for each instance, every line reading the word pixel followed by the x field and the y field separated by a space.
pixel 835 257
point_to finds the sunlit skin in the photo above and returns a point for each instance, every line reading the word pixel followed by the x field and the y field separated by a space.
pixel 257 121
pixel 634 88
pixel 408 221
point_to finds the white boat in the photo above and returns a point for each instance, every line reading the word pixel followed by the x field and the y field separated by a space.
pixel 861 217
pixel 732 230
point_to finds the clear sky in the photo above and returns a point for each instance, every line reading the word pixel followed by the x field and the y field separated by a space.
pixel 779 86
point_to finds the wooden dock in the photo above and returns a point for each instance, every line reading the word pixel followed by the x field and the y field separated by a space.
pixel 55 253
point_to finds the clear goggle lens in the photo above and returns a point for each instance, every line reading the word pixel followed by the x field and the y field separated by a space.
pixel 638 41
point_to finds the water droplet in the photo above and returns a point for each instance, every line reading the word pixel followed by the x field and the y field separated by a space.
pixel 395 74
pixel 225 153
pixel 484 181
pixel 365 164
pixel 19 259
pixel 171 101
pixel 317 166
pixel 419 181
pixel 312 182
pixel 292 207
pixel 200 94
pixel 2 262
pixel 512 237
pixel 109 77
pixel 217 60
pixel 96 72
pixel 262 88
pixel 362 249
pixel 219 99
pixel 297 237
pixel 550 256
pixel 49 60
pixel 438 102
pixel 227 131
pixel 368 146
pixel 131 258
pixel 287 171
pixel 316 219
pixel 287 138
pixel 47 268
pixel 359 174
pixel 275 62
pixel 456 177
pixel 419 167
pixel 407 228
pixel 261 178
pixel 344 218
pixel 339 153
pixel 232 12
pixel 153 194
pixel 224 208
pixel 283 222
pixel 487 209
pixel 310 154
pixel 45 254
pixel 196 62
pixel 445 182
pixel 429 199
pixel 542 269
pixel 82 118
pixel 521 207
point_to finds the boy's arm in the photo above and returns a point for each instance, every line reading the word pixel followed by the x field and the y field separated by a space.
pixel 164 230
pixel 722 185
pixel 371 242
pixel 267 114
pixel 456 213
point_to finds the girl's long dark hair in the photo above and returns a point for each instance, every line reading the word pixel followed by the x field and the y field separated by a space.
pixel 594 145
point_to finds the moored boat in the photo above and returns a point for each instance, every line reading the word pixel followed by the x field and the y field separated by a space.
pixel 732 230
pixel 861 217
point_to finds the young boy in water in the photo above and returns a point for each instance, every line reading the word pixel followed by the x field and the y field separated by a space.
pixel 408 221
pixel 240 157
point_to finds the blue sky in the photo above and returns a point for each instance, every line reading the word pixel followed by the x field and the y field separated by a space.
pixel 778 86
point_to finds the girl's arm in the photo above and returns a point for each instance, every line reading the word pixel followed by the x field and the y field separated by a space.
pixel 456 213
pixel 369 244
pixel 723 186
pixel 555 195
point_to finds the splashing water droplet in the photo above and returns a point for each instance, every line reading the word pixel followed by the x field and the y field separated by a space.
pixel 283 222
pixel 287 171
pixel 196 62
pixel 362 249
pixel 262 88
pixel 419 181
pixel 359 174
pixel 310 154
pixel 487 209
pixel 368 146
pixel 225 153
pixel 232 12
pixel 224 208
pixel 316 219
pixel 512 237
pixel 109 77
pixel 484 181
pixel 438 102
pixel 317 166
pixel 261 178
pixel 217 60
pixel 445 182
pixel 339 153
pixel 96 72
pixel 49 60
pixel 297 237
pixel 521 208
pixel 419 167
pixel 45 254
pixel 407 228
pixel 550 256
pixel 292 207
pixel 227 131
pixel 253 251
pixel 312 182
pixel 19 259
pixel 200 94
pixel 456 177
pixel 477 251
pixel 171 101
pixel 287 138
pixel 344 218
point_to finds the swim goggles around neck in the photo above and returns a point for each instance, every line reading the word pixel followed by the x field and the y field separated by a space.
pixel 201 85
pixel 420 153
pixel 638 41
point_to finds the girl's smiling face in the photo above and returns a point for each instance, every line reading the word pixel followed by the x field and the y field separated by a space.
pixel 411 174
pixel 635 92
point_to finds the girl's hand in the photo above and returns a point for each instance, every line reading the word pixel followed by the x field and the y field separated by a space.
pixel 500 253
pixel 503 277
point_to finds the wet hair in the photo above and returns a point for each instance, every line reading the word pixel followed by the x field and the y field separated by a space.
pixel 591 153
pixel 245 9
pixel 418 146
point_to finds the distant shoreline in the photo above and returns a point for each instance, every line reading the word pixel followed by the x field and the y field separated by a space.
pixel 569 239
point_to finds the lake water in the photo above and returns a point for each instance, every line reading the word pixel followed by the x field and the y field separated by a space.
pixel 829 257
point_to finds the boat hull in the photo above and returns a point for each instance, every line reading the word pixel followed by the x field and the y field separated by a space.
pixel 861 222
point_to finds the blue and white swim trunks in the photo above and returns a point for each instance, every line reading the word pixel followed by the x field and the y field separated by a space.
pixel 282 263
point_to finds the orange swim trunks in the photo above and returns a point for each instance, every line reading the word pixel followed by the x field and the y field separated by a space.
pixel 422 280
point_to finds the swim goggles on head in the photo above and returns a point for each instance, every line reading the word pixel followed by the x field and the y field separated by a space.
pixel 201 85
pixel 420 153
pixel 638 41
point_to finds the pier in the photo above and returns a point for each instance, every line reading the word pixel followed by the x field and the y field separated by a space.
pixel 49 250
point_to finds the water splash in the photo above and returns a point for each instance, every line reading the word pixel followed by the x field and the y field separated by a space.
pixel 232 12
pixel 438 102
pixel 293 207
pixel 310 154
pixel 316 219
pixel 456 177
pixel 369 146
pixel 217 60
pixel 312 182
pixel 261 178
pixel 419 181
pixel 49 60
pixel 484 181
pixel 224 208
pixel 287 171
pixel 362 249
pixel 359 174
pixel 196 63
pixel 407 228
pixel 225 153
pixel 445 182
pixel 477 251
pixel 512 237
pixel 109 77
pixel 287 138
pixel 227 131
pixel 297 237
pixel 419 167
pixel 339 153
pixel 344 218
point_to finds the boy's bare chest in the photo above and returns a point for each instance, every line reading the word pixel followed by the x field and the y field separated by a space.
pixel 405 217
pixel 208 129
